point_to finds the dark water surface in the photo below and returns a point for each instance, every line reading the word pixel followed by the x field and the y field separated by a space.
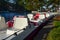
pixel 10 15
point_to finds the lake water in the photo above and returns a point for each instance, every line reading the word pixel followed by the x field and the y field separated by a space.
pixel 10 15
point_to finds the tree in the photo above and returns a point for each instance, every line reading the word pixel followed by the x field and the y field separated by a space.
pixel 51 4
pixel 29 4
pixel 36 4
pixel 2 5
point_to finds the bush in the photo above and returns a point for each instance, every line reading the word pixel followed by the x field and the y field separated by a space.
pixel 54 34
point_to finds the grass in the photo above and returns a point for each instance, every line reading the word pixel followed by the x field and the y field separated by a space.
pixel 56 23
pixel 54 33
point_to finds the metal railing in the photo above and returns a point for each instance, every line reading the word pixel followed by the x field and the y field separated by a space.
pixel 15 34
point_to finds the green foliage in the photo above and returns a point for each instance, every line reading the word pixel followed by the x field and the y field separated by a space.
pixel 54 34
pixel 56 23
pixel 30 4
pixel 36 4
pixel 20 2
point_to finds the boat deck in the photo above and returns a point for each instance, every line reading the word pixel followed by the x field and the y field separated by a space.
pixel 10 34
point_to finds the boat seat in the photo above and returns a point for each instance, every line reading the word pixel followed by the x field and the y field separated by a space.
pixel 10 24
pixel 2 23
pixel 20 23
pixel 47 15
pixel 30 16
pixel 36 17
pixel 41 16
